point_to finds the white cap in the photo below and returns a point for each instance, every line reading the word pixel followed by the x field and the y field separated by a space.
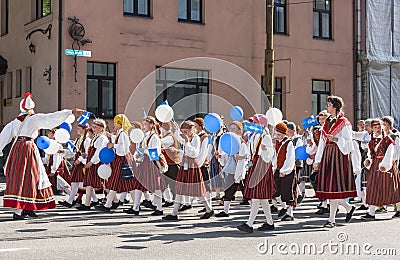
pixel 27 103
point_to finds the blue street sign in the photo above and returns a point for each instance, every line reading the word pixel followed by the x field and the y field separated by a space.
pixel 78 53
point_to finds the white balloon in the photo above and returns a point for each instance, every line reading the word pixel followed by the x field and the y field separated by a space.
pixel 104 171
pixel 274 116
pixel 164 113
pixel 62 136
pixel 136 135
pixel 53 148
pixel 70 119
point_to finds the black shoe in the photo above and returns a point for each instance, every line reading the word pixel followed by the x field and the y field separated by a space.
pixel 244 202
pixel 300 198
pixel 368 216
pixel 282 212
pixel 397 215
pixel 216 198
pixel 287 218
pixel 274 209
pixel 94 203
pixel 184 207
pixel 207 215
pixel 65 204
pixel 245 228
pixel 18 217
pixel 170 217
pixel 77 202
pixel 381 210
pixel 157 213
pixel 115 205
pixel 168 204
pixel 362 207
pixel 148 204
pixel 322 211
pixel 222 214
pixel 83 207
pixel 202 210
pixel 102 208
pixel 319 206
pixel 131 211
pixel 29 213
pixel 350 214
pixel 329 225
pixel 266 227
pixel 125 201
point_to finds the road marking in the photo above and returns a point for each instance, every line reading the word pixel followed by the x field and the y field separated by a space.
pixel 295 231
pixel 12 249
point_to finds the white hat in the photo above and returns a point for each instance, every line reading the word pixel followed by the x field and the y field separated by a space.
pixel 27 103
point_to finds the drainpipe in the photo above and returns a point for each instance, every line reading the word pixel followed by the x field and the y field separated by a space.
pixel 356 38
pixel 60 15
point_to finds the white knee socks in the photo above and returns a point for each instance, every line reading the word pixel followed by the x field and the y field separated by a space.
pixel 332 213
pixel 372 210
pixel 74 191
pixel 136 201
pixel 255 204
pixel 177 204
pixel 267 211
pixel 158 199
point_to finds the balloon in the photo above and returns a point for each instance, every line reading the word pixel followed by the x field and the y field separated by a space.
pixel 104 171
pixel 164 113
pixel 301 153
pixel 274 116
pixel 230 143
pixel 66 126
pixel 53 147
pixel 236 113
pixel 309 122
pixel 106 155
pixel 62 136
pixel 43 142
pixel 136 135
pixel 70 119
pixel 212 122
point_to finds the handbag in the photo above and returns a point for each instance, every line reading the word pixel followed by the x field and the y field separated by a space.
pixel 127 172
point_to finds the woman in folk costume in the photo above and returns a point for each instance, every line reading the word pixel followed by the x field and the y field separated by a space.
pixel 91 180
pixel 234 168
pixel 190 180
pixel 260 184
pixel 77 172
pixel 383 180
pixel 333 161
pixel 121 144
pixel 28 188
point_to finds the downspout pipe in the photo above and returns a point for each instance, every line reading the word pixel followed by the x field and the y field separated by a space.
pixel 60 52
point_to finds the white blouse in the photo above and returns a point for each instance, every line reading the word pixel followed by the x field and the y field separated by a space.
pixel 99 144
pixel 387 161
pixel 122 148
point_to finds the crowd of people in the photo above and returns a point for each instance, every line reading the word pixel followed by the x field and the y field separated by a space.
pixel 189 163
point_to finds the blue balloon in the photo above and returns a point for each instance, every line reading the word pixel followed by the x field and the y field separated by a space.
pixel 43 142
pixel 106 155
pixel 212 122
pixel 236 113
pixel 309 122
pixel 230 143
pixel 66 126
pixel 300 153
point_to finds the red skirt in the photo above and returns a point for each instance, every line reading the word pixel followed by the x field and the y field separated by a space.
pixel 259 180
pixel 190 182
pixel 335 175
pixel 22 179
pixel 77 170
pixel 382 187
pixel 148 176
pixel 91 177
pixel 115 181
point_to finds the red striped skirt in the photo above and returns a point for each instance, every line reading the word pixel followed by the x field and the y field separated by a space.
pixel 148 176
pixel 115 181
pixel 77 170
pixel 259 180
pixel 22 179
pixel 91 177
pixel 335 175
pixel 190 182
pixel 382 187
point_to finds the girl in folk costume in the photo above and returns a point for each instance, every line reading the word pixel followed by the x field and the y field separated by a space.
pixel 333 162
pixel 28 188
pixel 121 144
pixel 91 179
pixel 190 180
pixel 77 172
pixel 383 180
pixel 260 186
pixel 235 169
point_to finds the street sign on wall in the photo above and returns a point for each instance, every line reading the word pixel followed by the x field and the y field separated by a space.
pixel 78 53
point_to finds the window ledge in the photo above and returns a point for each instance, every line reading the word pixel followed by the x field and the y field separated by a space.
pixel 137 16
pixel 35 23
pixel 190 22
pixel 323 39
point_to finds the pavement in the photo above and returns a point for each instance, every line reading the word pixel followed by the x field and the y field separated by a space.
pixel 64 233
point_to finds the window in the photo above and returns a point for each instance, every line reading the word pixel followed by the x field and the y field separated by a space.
pixel 9 85
pixel 4 7
pixel 18 83
pixel 28 80
pixel 280 16
pixel 322 19
pixel 190 11
pixel 277 93
pixel 101 89
pixel 43 8
pixel 137 7
pixel 184 88
pixel 321 89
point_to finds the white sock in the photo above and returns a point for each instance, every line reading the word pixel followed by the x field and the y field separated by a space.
pixel 146 195
pixel 168 195
pixel 267 211
pixel 208 197
pixel 345 204
pixel 67 190
pixel 94 197
pixel 372 210
pixel 110 198
pixel 122 197
pixel 290 211
pixel 332 213
pixel 275 203
pixel 363 197
pixel 302 186
pixel 158 199
pixel 132 193
pixel 255 204
pixel 74 191
pixel 358 185
pixel 177 204
pixel 136 201
pixel 18 211
pixel 324 204
pixel 206 205
pixel 89 191
pixel 227 204
pixel 398 206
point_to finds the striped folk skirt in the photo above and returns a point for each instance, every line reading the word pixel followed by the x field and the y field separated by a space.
pixel 148 177
pixel 259 180
pixel 382 187
pixel 335 175
pixel 115 182
pixel 77 172
pixel 91 177
pixel 190 182
pixel 22 179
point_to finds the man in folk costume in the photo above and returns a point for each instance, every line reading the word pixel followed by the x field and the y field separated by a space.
pixel 91 180
pixel 383 181
pixel 28 187
pixel 332 155
pixel 190 180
